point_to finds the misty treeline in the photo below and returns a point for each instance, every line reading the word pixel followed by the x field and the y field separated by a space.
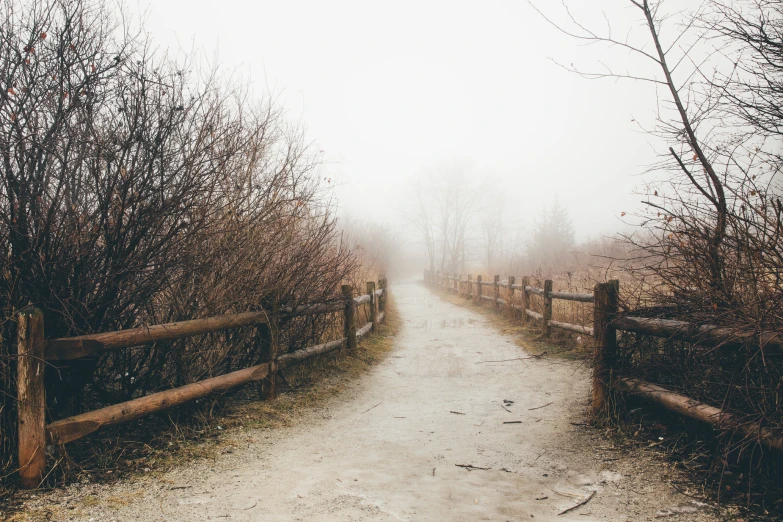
pixel 467 227
pixel 708 249
pixel 141 189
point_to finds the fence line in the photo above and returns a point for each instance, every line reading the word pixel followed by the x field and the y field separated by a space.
pixel 606 323
pixel 34 351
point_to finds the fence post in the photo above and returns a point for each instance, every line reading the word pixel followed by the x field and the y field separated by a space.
pixel 525 298
pixel 477 297
pixel 31 397
pixel 349 324
pixel 604 311
pixel 496 289
pixel 382 298
pixel 469 287
pixel 511 282
pixel 373 306
pixel 547 306
pixel 269 337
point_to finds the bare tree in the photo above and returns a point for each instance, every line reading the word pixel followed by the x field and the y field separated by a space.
pixel 711 250
pixel 445 215
pixel 492 227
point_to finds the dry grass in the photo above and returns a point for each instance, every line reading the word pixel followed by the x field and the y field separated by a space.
pixel 203 431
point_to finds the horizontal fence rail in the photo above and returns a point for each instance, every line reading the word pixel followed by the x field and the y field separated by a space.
pixel 606 323
pixel 34 350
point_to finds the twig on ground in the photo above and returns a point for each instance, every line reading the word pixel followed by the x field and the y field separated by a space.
pixel 539 407
pixel 513 422
pixel 457 412
pixel 578 504
pixel 470 467
pixel 368 409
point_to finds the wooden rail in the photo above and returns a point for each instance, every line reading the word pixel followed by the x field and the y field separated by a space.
pixel 34 351
pixel 606 323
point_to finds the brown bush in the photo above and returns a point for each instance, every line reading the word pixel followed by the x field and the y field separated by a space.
pixel 139 190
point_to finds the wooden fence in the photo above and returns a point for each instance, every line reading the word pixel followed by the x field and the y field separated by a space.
pixel 34 351
pixel 606 323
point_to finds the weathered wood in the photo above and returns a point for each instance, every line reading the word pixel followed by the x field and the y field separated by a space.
pixel 566 296
pixel 381 317
pixel 511 281
pixel 477 296
pixel 270 348
pixel 488 298
pixel 534 290
pixel 697 410
pixel 496 288
pixel 73 428
pixel 534 315
pixel 364 330
pixel 383 295
pixel 469 287
pixel 31 400
pixel 373 305
pixel 604 312
pixel 362 299
pixel 500 301
pixel 84 345
pixel 707 335
pixel 292 358
pixel 576 328
pixel 547 306
pixel 349 320
pixel 525 304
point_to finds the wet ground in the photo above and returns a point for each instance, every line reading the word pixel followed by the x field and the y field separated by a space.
pixel 458 424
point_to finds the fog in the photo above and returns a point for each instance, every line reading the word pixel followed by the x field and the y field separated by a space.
pixel 391 92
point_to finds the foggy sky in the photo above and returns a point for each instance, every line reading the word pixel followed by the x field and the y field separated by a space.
pixel 392 90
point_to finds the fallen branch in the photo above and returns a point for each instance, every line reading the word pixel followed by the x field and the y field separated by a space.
pixel 470 467
pixel 368 409
pixel 457 412
pixel 578 504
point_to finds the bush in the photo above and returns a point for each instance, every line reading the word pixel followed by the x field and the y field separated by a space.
pixel 139 190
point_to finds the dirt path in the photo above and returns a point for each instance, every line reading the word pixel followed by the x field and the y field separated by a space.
pixel 390 448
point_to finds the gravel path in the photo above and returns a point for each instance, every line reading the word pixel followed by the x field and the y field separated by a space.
pixel 399 442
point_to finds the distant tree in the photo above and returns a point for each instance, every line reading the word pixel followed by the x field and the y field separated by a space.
pixel 492 231
pixel 553 235
pixel 445 213
pixel 424 221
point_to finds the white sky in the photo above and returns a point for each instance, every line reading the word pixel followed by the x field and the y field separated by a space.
pixel 392 90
